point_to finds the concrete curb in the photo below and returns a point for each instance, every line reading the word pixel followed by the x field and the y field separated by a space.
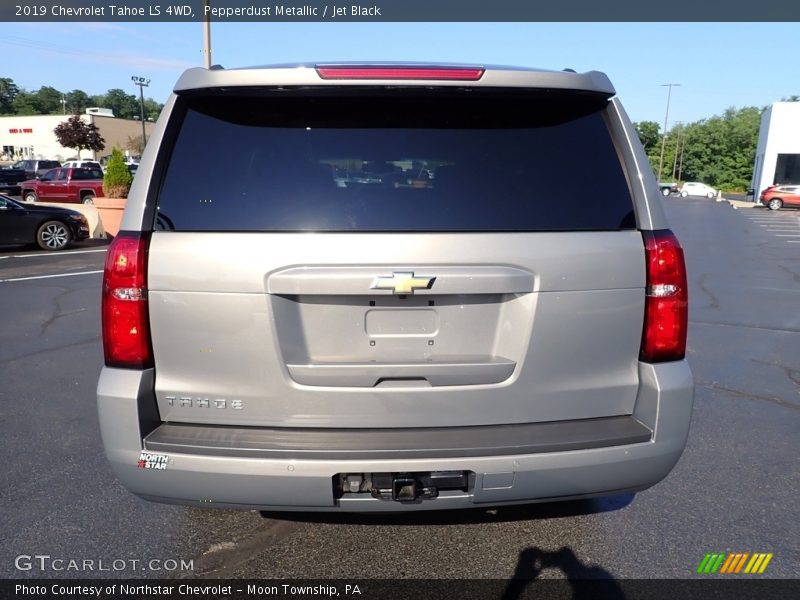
pixel 743 204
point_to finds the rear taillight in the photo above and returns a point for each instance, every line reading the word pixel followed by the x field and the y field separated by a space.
pixel 399 72
pixel 666 298
pixel 126 327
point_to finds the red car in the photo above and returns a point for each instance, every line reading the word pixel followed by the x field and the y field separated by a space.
pixel 778 196
pixel 65 185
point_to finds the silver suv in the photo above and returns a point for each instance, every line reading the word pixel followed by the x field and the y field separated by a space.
pixel 400 287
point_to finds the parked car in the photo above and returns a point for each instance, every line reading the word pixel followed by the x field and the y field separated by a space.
pixel 694 188
pixel 35 167
pixel 65 185
pixel 10 180
pixel 276 340
pixel 52 227
pixel 667 188
pixel 778 196
pixel 85 164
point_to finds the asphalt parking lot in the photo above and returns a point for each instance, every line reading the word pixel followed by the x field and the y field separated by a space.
pixel 734 490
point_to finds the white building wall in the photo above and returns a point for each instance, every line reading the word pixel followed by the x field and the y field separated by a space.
pixel 33 137
pixel 779 134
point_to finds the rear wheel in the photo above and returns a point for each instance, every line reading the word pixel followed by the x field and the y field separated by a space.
pixel 775 204
pixel 29 197
pixel 665 192
pixel 684 194
pixel 53 235
pixel 88 199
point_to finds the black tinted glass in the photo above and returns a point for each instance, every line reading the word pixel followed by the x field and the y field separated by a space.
pixel 455 161
pixel 87 174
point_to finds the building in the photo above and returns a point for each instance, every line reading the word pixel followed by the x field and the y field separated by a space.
pixel 33 137
pixel 778 150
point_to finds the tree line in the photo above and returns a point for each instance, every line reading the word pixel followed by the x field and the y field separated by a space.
pixel 50 101
pixel 719 151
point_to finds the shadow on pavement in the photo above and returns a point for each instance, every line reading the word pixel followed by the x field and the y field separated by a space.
pixel 525 512
pixel 585 581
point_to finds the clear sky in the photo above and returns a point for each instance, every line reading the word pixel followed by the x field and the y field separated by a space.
pixel 717 64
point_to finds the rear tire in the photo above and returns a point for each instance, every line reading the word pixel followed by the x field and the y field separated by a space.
pixel 665 192
pixel 53 235
pixel 29 197
pixel 87 199
pixel 684 194
pixel 775 204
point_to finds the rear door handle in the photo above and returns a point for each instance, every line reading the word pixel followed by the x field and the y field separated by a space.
pixel 384 280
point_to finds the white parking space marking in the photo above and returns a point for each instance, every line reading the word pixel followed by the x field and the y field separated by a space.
pixel 779 224
pixel 55 254
pixel 49 276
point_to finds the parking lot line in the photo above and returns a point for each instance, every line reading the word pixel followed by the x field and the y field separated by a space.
pixel 49 276
pixel 787 235
pixel 56 254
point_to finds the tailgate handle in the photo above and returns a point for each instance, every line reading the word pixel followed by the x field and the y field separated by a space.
pixel 441 373
pixel 357 281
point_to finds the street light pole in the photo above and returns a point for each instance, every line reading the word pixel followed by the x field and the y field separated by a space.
pixel 207 33
pixel 63 104
pixel 669 87
pixel 142 83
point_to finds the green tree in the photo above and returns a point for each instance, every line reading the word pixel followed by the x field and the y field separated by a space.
pixel 118 178
pixel 125 106
pixel 48 100
pixel 78 102
pixel 152 109
pixel 75 133
pixel 721 150
pixel 25 104
pixel 8 92
pixel 648 132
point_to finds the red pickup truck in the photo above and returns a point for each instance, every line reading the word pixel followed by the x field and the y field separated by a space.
pixel 65 184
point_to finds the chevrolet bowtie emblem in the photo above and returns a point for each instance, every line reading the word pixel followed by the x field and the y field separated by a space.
pixel 402 283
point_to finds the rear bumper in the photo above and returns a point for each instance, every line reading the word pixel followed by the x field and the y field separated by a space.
pixel 232 471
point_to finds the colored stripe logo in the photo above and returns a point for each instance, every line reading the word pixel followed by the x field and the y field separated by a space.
pixel 734 563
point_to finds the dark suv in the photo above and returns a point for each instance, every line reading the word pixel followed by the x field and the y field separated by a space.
pixel 35 168
pixel 381 306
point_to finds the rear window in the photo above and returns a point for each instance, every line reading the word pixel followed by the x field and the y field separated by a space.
pixel 49 164
pixel 85 173
pixel 451 160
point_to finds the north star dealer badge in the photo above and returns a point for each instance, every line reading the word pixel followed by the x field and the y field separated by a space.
pixel 152 461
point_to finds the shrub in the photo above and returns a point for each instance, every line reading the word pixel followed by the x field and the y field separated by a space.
pixel 118 178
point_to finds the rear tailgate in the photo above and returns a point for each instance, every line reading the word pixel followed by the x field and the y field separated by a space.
pixel 394 257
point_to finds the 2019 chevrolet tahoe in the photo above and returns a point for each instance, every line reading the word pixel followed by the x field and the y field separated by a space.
pixel 384 305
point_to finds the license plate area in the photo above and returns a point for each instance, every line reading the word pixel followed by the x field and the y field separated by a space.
pixel 403 487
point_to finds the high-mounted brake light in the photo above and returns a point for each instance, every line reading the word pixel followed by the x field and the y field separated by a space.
pixel 126 326
pixel 449 73
pixel 666 298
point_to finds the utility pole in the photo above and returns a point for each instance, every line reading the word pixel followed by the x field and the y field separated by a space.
pixel 63 104
pixel 683 147
pixel 677 143
pixel 142 83
pixel 669 87
pixel 207 33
